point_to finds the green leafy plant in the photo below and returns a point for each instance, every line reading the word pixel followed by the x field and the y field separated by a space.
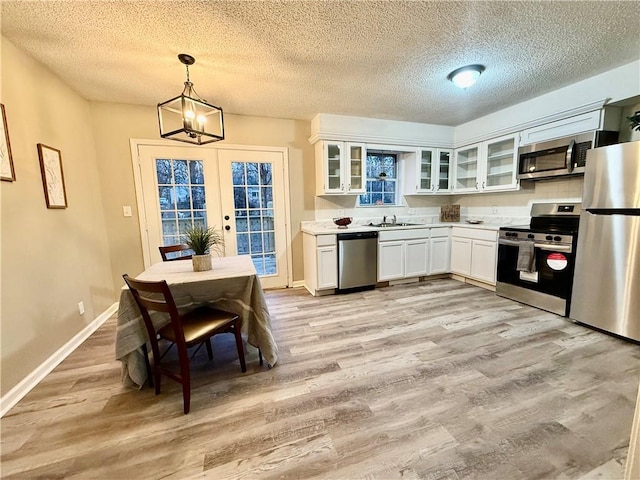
pixel 203 239
pixel 634 121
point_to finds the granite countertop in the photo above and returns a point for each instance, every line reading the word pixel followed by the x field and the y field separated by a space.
pixel 327 228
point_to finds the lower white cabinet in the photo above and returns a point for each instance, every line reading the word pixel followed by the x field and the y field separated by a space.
pixel 320 262
pixel 391 258
pixel 403 254
pixel 474 253
pixel 439 251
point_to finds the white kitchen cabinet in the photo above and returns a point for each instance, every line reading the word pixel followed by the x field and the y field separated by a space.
pixel 474 253
pixel 403 254
pixel 483 261
pixel 439 251
pixel 320 262
pixel 416 261
pixel 340 168
pixel 487 166
pixel 391 260
pixel 461 256
pixel 575 125
pixel 429 172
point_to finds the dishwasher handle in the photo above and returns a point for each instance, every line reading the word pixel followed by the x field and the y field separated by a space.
pixel 356 235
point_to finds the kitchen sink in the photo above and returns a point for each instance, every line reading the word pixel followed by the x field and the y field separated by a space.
pixel 399 224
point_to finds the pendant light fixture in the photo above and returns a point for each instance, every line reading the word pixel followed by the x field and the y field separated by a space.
pixel 187 117
pixel 464 77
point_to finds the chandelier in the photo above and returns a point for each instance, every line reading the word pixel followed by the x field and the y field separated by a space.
pixel 187 117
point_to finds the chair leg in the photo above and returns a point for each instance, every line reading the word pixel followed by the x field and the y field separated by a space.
pixel 186 394
pixel 236 332
pixel 260 355
pixel 147 364
pixel 209 349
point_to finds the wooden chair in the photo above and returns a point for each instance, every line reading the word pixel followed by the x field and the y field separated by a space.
pixel 190 329
pixel 172 249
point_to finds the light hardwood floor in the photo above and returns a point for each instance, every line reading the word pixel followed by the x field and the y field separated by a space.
pixel 437 380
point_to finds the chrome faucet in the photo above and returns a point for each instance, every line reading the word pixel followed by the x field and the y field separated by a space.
pixel 394 220
pixel 384 219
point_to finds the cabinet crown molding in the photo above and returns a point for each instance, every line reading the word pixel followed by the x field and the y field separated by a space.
pixel 370 130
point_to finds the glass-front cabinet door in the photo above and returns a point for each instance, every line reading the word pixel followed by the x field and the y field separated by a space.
pixel 426 158
pixel 355 167
pixel 466 162
pixel 502 158
pixel 334 155
pixel 443 183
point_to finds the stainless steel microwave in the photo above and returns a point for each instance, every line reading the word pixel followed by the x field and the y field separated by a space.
pixel 564 156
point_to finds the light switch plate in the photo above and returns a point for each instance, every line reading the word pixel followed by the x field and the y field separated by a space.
pixel 81 308
pixel 126 211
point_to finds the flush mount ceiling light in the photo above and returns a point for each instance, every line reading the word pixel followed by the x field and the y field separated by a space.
pixel 187 117
pixel 464 77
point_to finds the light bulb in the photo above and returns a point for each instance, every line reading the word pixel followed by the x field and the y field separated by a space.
pixel 201 121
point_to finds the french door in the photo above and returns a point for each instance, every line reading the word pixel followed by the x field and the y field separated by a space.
pixel 237 191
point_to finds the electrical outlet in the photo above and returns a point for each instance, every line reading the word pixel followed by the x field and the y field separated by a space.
pixel 411 211
pixel 126 211
pixel 81 308
pixel 340 213
pixel 494 210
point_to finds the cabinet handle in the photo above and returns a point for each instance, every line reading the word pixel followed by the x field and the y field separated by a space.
pixel 482 184
pixel 477 186
pixel 349 187
pixel 342 186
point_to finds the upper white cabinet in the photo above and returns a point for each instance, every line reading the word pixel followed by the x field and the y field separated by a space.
pixel 340 168
pixel 487 166
pixel 429 172
pixel 562 128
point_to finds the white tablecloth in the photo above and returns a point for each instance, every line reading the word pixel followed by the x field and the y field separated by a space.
pixel 231 285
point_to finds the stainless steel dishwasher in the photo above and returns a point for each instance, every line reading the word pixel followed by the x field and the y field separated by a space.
pixel 357 261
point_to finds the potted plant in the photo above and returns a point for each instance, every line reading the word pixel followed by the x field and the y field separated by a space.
pixel 202 240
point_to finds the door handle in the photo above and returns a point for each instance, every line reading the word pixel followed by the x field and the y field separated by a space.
pixel 569 157
pixel 227 227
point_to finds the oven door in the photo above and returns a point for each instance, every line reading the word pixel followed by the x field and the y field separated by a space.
pixel 554 270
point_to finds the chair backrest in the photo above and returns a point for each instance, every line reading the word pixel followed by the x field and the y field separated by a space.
pixel 156 297
pixel 172 249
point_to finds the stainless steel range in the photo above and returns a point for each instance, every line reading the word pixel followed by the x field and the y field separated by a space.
pixel 536 261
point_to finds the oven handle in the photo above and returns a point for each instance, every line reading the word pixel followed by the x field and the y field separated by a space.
pixel 541 246
pixel 554 248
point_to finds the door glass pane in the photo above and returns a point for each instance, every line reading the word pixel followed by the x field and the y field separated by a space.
pixel 425 170
pixel 182 204
pixel 253 202
pixel 443 177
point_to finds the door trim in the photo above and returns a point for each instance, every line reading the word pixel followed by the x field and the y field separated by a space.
pixel 135 143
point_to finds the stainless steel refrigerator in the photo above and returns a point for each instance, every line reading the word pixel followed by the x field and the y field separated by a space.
pixel 606 286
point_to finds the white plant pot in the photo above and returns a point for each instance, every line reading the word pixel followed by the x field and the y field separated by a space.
pixel 201 263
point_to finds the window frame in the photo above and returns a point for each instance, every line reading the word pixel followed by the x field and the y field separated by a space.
pixel 397 179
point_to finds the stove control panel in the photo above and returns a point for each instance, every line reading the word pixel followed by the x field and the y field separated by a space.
pixel 536 237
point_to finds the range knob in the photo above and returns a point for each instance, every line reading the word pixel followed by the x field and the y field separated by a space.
pixel 548 237
pixel 557 238
pixel 531 235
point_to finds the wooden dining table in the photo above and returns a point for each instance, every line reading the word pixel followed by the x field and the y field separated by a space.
pixel 232 285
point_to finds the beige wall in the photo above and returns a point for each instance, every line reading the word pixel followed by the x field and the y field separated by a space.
pixel 51 259
pixel 115 124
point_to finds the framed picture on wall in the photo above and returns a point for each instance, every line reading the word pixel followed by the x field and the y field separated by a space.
pixel 52 176
pixel 7 172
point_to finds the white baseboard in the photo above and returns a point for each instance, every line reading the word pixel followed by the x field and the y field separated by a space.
pixel 297 283
pixel 30 381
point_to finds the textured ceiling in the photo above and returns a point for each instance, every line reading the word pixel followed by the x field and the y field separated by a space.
pixel 294 59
